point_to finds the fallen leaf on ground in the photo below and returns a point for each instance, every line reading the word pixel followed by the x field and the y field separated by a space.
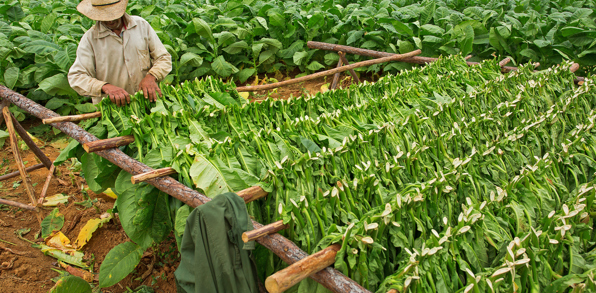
pixel 54 200
pixel 91 226
pixel 87 276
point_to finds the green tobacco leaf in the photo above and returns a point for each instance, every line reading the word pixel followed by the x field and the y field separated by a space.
pixel 180 223
pixel 236 48
pixel 427 13
pixel 245 74
pixel 207 177
pixel 203 29
pixel 86 108
pixel 222 67
pixel 299 57
pixel 191 59
pixel 90 172
pixel 69 284
pixel 11 75
pixel 3 136
pixel 69 152
pixel 57 85
pixel 53 222
pixel 48 22
pixel 433 29
pixel 314 66
pixel 118 263
pixel 73 257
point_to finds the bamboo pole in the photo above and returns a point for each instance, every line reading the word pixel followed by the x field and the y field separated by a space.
pixel 17 204
pixel 290 276
pixel 17 155
pixel 345 61
pixel 252 193
pixel 393 57
pixel 336 75
pixel 16 173
pixel 46 185
pixel 152 174
pixel 31 144
pixel 265 230
pixel 71 118
pixel 282 247
pixel 104 144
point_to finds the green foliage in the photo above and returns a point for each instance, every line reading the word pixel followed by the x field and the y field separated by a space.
pixel 118 263
pixel 53 222
pixel 69 284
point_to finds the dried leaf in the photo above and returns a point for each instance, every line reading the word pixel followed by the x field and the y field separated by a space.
pixel 90 227
pixel 55 199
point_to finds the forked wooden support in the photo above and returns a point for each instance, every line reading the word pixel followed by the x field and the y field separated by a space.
pixel 110 143
pixel 16 173
pixel 152 174
pixel 343 59
pixel 46 185
pixel 336 75
pixel 71 118
pixel 302 269
pixel 17 155
pixel 263 231
pixel 252 193
pixel 17 204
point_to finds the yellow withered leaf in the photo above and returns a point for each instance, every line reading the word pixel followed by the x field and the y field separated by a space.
pixel 91 226
pixel 110 193
pixel 55 199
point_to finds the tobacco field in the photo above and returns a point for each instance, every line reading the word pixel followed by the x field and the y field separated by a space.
pixel 447 178
pixel 237 39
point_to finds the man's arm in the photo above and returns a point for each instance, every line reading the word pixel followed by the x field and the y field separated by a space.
pixel 81 77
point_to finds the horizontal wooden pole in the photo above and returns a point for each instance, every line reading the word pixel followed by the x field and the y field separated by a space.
pixel 285 249
pixel 263 231
pixel 152 174
pixel 290 276
pixel 252 193
pixel 17 204
pixel 110 143
pixel 394 57
pixel 71 118
pixel 16 173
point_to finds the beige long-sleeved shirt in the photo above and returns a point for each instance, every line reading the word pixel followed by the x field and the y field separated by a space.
pixel 104 57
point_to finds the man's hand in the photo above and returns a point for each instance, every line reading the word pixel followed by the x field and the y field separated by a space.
pixel 149 87
pixel 117 95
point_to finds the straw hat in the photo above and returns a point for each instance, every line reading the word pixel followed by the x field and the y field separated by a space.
pixel 103 10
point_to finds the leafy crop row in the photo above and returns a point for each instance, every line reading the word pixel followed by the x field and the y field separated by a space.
pixel 238 39
pixel 443 178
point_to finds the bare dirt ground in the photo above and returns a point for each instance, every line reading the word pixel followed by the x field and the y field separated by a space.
pixel 24 268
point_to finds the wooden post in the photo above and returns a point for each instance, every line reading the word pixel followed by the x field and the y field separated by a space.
pixel 287 251
pixel 265 230
pixel 336 76
pixel 290 276
pixel 468 57
pixel 31 144
pixel 72 118
pixel 393 57
pixel 17 204
pixel 16 173
pixel 342 56
pixel 252 193
pixel 504 62
pixel 574 67
pixel 17 155
pixel 152 174
pixel 104 144
pixel 46 185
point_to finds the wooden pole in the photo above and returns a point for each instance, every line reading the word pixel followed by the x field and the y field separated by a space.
pixel 46 185
pixel 290 276
pixel 16 173
pixel 265 230
pixel 31 144
pixel 336 75
pixel 392 291
pixel 17 155
pixel 342 56
pixel 504 62
pixel 72 118
pixel 281 246
pixel 252 193
pixel 574 67
pixel 393 57
pixel 468 57
pixel 104 144
pixel 152 174
pixel 17 204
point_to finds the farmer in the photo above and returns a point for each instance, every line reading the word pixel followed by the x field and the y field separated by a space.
pixel 118 56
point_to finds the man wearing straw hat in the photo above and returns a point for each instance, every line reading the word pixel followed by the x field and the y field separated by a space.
pixel 118 56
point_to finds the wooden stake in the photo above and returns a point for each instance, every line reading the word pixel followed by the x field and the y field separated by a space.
pixel 252 193
pixel 393 57
pixel 31 144
pixel 46 185
pixel 17 155
pixel 72 118
pixel 265 230
pixel 152 174
pixel 342 56
pixel 336 76
pixel 504 62
pixel 17 204
pixel 16 173
pixel 104 144
pixel 468 57
pixel 290 276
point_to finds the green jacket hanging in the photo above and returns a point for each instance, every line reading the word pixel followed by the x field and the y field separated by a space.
pixel 214 257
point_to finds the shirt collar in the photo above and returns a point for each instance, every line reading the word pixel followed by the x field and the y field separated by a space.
pixel 103 31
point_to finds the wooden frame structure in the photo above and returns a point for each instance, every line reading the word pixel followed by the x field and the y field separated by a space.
pixel 302 265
